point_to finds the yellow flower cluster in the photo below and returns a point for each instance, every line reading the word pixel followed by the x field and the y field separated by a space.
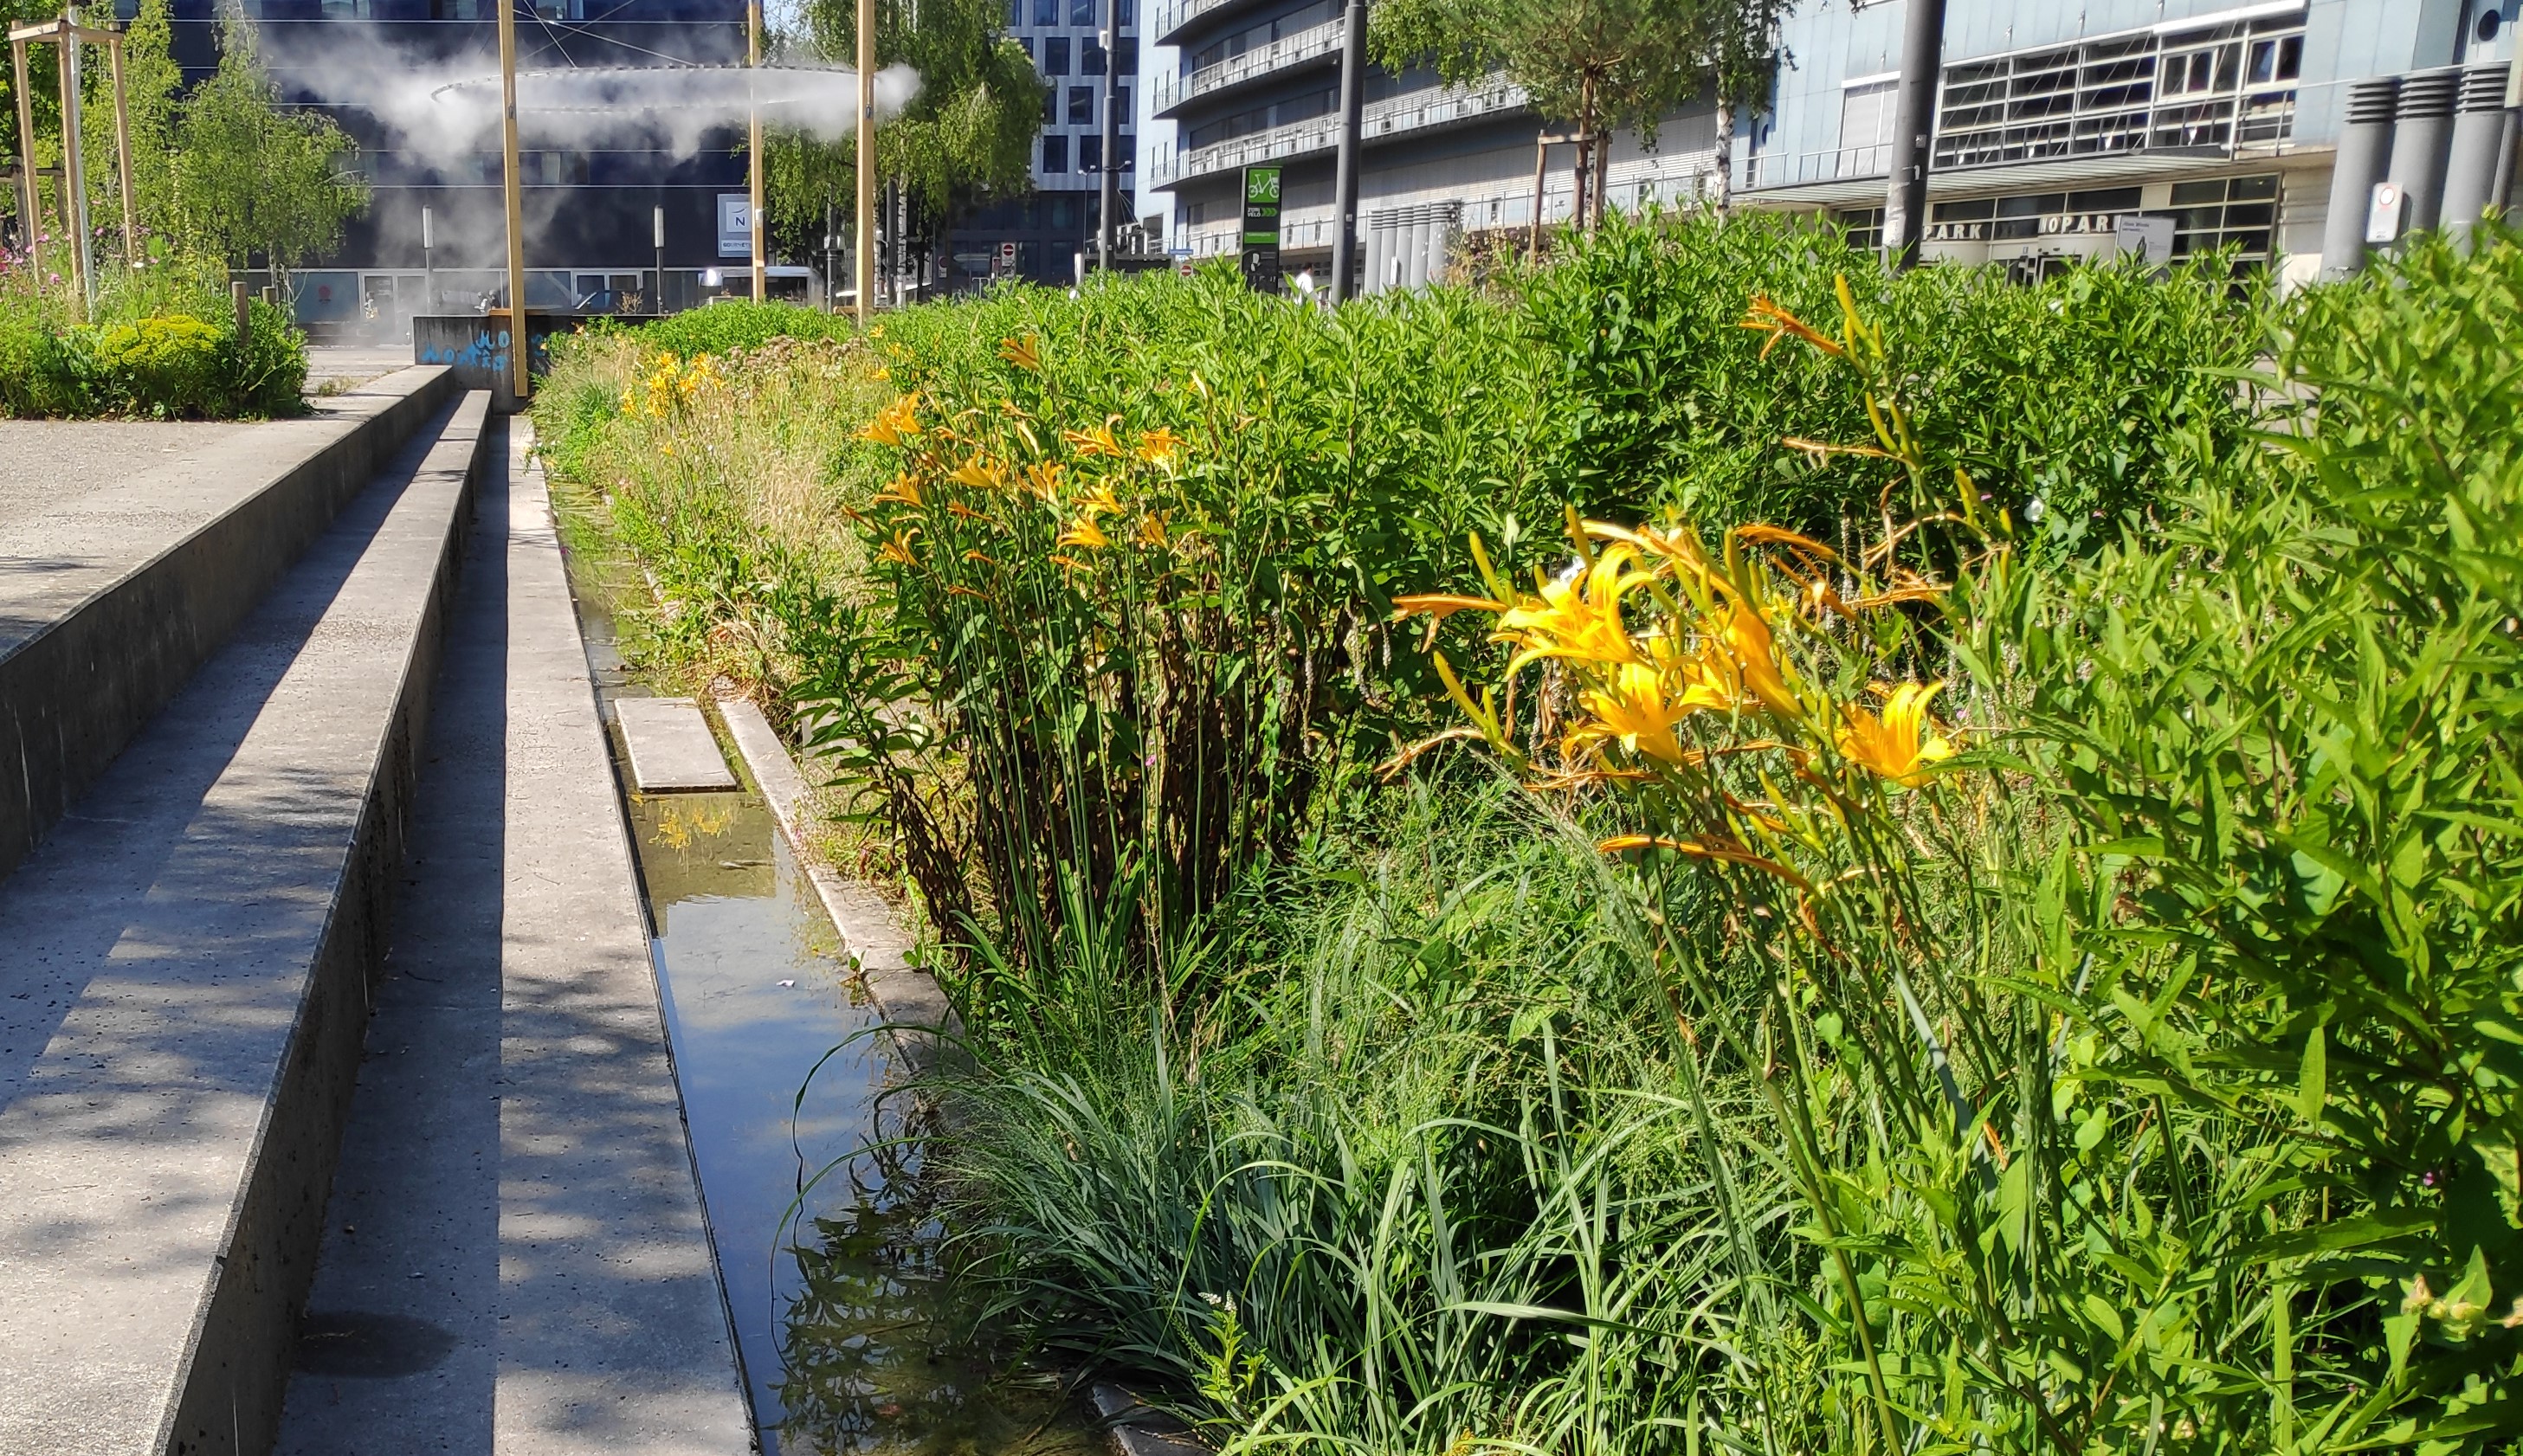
pixel 1649 629
pixel 672 385
pixel 1007 469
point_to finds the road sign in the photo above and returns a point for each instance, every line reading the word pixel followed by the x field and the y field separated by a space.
pixel 735 225
pixel 1261 252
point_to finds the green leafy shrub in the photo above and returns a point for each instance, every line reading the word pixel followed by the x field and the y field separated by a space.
pixel 1137 575
pixel 723 328
pixel 2081 392
pixel 163 344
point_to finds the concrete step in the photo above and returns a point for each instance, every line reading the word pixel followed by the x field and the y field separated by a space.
pixel 186 962
pixel 515 1258
pixel 112 599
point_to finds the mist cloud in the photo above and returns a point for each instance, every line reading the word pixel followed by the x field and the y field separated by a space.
pixel 444 109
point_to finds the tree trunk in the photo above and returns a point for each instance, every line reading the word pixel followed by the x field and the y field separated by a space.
pixel 1721 193
pixel 1584 156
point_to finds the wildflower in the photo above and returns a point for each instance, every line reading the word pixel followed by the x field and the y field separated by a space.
pixel 1902 745
pixel 1043 480
pixel 1631 705
pixel 1103 502
pixel 898 549
pixel 1746 639
pixel 1084 533
pixel 1152 529
pixel 1577 615
pixel 1021 352
pixel 979 474
pixel 904 490
pixel 1096 441
pixel 876 331
pixel 1158 446
pixel 895 423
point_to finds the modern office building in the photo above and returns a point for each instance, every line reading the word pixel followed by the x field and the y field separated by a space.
pixel 1051 228
pixel 592 204
pixel 2055 119
pixel 2058 119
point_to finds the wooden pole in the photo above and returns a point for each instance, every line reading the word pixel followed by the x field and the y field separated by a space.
pixel 30 220
pixel 122 155
pixel 513 186
pixel 863 266
pixel 73 176
pixel 1540 160
pixel 753 152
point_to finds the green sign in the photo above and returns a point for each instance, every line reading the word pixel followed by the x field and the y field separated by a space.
pixel 1261 252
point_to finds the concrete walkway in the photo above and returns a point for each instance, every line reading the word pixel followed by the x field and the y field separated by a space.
pixel 515 1258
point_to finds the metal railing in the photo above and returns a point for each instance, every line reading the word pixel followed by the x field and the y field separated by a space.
pixel 1169 18
pixel 1286 51
pixel 1417 111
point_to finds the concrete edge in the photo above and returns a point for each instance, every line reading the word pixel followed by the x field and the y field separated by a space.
pixel 1137 1429
pixel 530 474
pixel 872 935
pixel 73 694
pixel 235 1373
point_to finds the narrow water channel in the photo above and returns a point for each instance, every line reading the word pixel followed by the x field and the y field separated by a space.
pixel 848 1335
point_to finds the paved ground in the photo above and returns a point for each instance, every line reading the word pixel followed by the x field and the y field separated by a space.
pixel 515 1262
pixel 344 365
pixel 45 463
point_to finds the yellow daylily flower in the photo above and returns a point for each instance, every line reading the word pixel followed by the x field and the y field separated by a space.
pixel 903 490
pixel 1021 352
pixel 1084 533
pixel 1902 745
pixel 1096 441
pixel 898 549
pixel 1044 480
pixel 1745 637
pixel 979 474
pixel 1578 614
pixel 1632 705
pixel 1160 447
pixel 1152 529
pixel 895 423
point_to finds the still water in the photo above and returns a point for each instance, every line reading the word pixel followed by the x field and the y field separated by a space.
pixel 850 1337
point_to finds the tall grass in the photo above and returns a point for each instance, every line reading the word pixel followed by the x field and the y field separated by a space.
pixel 160 341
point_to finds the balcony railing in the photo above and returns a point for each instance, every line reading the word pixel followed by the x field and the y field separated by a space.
pixel 1286 51
pixel 1171 18
pixel 1417 111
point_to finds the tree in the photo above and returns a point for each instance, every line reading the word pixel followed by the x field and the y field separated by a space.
pixel 152 85
pixel 1599 64
pixel 251 178
pixel 967 137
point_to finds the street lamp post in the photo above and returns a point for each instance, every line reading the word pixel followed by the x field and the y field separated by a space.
pixel 658 236
pixel 1353 105
pixel 1108 198
pixel 863 268
pixel 512 186
pixel 1914 117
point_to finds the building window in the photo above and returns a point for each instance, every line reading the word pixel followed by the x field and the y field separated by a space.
pixel 1082 106
pixel 1055 155
pixel 1129 12
pixel 1082 12
pixel 1050 106
pixel 1122 102
pixel 1046 12
pixel 1128 152
pixel 1090 154
pixel 1015 14
pixel 2240 212
pixel 1126 52
pixel 1866 129
pixel 1864 225
pixel 1090 57
pixel 2214 89
pixel 1055 55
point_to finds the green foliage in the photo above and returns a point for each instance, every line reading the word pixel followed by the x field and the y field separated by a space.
pixel 1139 582
pixel 1603 64
pixel 723 328
pixel 967 136
pixel 250 177
pixel 2088 392
pixel 162 345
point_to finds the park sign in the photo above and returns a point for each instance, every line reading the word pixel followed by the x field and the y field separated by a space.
pixel 1260 250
